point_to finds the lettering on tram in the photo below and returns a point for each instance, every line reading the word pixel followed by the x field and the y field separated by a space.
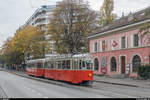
pixel 76 69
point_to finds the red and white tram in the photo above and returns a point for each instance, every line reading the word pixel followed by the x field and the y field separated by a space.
pixel 76 69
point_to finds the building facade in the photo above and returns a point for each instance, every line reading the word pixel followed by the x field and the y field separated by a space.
pixel 41 17
pixel 120 48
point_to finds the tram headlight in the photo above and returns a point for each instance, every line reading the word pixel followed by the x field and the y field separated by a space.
pixel 90 75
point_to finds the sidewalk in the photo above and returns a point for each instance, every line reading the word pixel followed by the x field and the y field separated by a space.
pixel 125 81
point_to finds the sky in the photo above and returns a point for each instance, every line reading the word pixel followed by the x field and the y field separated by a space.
pixel 15 13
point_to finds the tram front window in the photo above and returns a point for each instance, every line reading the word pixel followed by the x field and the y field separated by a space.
pixel 89 64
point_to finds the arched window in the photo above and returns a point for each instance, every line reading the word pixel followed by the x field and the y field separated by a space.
pixel 136 62
pixel 113 64
pixel 96 64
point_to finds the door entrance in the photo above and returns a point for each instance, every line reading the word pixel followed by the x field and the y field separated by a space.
pixel 123 64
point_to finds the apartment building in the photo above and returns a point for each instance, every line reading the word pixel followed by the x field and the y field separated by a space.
pixel 41 17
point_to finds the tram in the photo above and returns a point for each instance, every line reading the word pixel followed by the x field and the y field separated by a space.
pixel 35 67
pixel 76 69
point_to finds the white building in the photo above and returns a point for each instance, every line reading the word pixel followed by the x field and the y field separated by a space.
pixel 41 17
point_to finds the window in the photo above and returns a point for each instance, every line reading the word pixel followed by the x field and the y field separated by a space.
pixel 96 64
pixel 113 64
pixel 95 47
pixel 112 44
pixel 123 42
pixel 104 45
pixel 104 62
pixel 39 65
pixel 136 62
pixel 136 40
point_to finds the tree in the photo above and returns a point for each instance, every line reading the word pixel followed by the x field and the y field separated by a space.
pixel 71 22
pixel 30 41
pixel 106 15
pixel 27 42
pixel 145 30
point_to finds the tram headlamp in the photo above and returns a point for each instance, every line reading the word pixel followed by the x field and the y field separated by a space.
pixel 90 75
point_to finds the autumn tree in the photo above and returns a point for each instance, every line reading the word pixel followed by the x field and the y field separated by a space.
pixel 71 22
pixel 106 12
pixel 31 41
pixel 27 42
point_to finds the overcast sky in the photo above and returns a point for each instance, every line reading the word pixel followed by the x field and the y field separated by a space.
pixel 15 13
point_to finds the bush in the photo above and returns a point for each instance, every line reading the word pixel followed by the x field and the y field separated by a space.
pixel 144 71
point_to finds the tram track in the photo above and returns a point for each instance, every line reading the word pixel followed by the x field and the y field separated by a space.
pixel 3 94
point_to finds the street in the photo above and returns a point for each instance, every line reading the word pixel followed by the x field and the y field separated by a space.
pixel 18 87
pixel 13 86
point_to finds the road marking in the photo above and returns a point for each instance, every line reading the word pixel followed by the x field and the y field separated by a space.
pixel 33 91
pixel 45 97
pixel 39 94
pixel 29 88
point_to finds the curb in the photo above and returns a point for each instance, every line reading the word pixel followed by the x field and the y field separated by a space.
pixel 116 83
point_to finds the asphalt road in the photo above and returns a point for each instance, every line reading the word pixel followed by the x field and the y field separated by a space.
pixel 18 87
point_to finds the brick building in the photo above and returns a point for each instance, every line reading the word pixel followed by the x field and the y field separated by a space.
pixel 119 48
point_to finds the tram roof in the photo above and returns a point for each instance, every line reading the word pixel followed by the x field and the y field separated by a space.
pixel 64 56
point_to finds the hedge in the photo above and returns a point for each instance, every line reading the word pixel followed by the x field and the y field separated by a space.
pixel 144 71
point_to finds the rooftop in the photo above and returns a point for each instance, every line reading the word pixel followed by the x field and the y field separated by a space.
pixel 124 21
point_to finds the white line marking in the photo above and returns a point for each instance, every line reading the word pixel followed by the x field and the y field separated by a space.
pixel 33 91
pixel 45 97
pixel 29 88
pixel 39 94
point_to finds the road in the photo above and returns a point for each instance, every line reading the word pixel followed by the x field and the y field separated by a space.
pixel 19 87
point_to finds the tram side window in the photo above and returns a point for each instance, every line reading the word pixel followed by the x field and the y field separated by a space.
pixel 75 64
pixel 63 65
pixel 52 65
pixel 33 65
pixel 59 64
pixel 80 64
pixel 49 65
pixel 68 64
pixel 83 65
pixel 46 65
pixel 29 65
pixel 39 65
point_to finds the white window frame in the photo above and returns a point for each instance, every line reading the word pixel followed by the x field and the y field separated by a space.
pixel 111 42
